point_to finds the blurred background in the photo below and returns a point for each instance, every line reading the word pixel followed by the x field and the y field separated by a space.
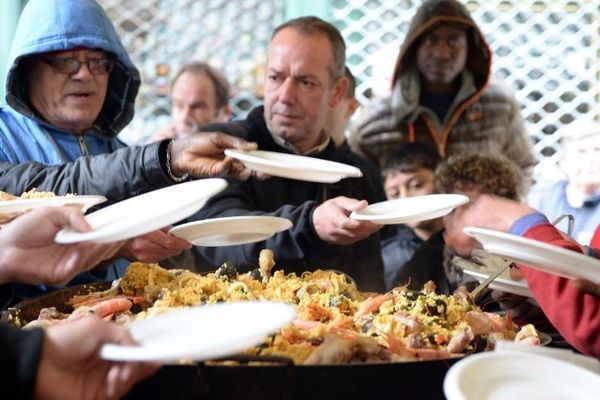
pixel 547 50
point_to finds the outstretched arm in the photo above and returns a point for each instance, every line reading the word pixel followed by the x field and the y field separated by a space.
pixel 30 255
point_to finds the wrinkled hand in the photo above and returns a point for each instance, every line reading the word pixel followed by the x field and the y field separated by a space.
pixel 153 247
pixel 70 366
pixel 166 132
pixel 587 286
pixel 202 155
pixel 30 255
pixel 332 224
pixel 484 211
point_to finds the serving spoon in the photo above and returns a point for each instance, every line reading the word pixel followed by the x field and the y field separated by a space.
pixel 487 281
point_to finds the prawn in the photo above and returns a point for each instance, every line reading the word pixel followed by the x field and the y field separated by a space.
pixel 396 346
pixel 371 305
pixel 316 312
pixel 92 298
pixel 111 306
pixel 92 301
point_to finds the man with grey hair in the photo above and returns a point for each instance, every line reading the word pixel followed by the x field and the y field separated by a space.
pixel 199 96
pixel 578 193
pixel 305 79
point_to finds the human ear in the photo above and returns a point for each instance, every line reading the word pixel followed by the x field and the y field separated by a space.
pixel 339 89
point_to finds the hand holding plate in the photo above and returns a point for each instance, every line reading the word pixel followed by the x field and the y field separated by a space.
pixel 31 238
pixel 153 247
pixel 333 225
pixel 203 155
pixel 70 355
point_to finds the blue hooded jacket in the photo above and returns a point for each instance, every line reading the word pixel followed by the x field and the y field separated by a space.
pixel 56 25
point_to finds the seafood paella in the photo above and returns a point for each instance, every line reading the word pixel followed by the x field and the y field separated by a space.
pixel 336 323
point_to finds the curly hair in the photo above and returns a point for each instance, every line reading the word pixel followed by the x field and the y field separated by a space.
pixel 488 174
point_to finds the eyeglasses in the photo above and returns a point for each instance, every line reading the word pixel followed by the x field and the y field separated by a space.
pixel 71 66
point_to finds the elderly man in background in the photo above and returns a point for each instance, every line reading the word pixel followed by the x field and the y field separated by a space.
pixel 578 193
pixel 304 82
pixel 199 96
pixel 443 94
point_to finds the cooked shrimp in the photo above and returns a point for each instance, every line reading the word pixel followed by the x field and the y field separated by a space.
pixel 396 346
pixel 316 312
pixel 305 324
pixel 92 298
pixel 371 305
pixel 111 306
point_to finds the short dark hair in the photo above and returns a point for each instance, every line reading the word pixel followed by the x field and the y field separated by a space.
pixel 311 25
pixel 351 90
pixel 217 78
pixel 489 174
pixel 410 157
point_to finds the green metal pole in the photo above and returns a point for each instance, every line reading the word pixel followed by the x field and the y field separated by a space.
pixel 9 15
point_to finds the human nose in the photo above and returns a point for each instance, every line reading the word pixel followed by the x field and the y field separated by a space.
pixel 403 192
pixel 441 50
pixel 187 115
pixel 287 91
pixel 83 72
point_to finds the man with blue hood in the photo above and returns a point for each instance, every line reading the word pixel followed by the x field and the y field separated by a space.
pixel 70 84
pixel 70 90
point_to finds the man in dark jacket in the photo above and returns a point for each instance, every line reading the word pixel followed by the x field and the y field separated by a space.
pixel 304 81
pixel 443 94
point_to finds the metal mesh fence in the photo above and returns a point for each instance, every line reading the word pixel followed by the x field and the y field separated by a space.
pixel 547 50
pixel 162 35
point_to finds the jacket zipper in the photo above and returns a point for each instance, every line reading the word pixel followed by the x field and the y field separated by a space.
pixel 82 145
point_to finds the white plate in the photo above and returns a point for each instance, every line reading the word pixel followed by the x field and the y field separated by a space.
pixel 23 205
pixel 410 209
pixel 231 231
pixel 496 376
pixel 538 255
pixel 294 166
pixel 145 213
pixel 202 332
pixel 505 285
